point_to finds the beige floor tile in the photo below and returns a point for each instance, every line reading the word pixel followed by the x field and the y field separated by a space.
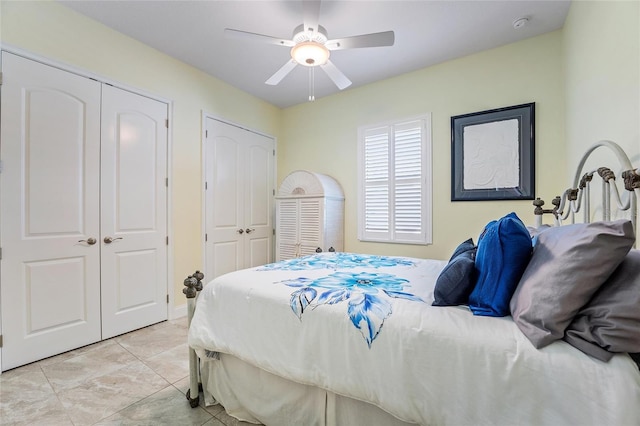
pixel 28 399
pixel 214 422
pixel 166 407
pixel 92 363
pixel 139 378
pixel 153 340
pixel 105 395
pixel 231 421
pixel 182 322
pixel 173 364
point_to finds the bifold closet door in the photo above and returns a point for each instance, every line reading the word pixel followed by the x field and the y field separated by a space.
pixel 133 213
pixel 239 175
pixel 49 211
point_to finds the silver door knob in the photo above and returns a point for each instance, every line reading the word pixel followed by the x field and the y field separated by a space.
pixel 240 231
pixel 249 230
pixel 109 240
pixel 91 241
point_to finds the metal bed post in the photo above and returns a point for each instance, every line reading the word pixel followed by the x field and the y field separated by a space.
pixel 193 284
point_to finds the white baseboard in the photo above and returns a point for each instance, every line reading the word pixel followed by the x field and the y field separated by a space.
pixel 179 311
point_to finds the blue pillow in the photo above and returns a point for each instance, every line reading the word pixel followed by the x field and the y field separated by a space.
pixel 464 247
pixel 504 250
pixel 457 279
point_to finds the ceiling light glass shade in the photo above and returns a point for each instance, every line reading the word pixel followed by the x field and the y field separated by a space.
pixel 310 54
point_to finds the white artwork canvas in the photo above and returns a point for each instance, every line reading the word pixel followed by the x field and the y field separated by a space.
pixel 491 155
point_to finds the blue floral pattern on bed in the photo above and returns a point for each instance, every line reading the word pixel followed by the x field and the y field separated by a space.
pixel 367 294
pixel 336 261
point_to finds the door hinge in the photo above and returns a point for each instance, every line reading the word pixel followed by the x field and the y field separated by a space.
pixel 166 182
pixel 166 123
pixel 274 152
pixel 206 237
pixel 206 134
pixel 274 231
pixel 167 240
pixel 206 185
pixel 0 79
pixel 0 340
pixel 273 191
pixel 167 298
pixel 0 253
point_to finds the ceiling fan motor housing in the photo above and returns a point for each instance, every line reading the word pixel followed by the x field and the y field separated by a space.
pixel 301 35
pixel 310 50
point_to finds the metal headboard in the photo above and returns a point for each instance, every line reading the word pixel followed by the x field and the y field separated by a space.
pixel 578 197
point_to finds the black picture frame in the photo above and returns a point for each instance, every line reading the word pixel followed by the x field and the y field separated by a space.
pixel 494 143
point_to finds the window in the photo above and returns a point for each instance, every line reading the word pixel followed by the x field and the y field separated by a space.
pixel 394 182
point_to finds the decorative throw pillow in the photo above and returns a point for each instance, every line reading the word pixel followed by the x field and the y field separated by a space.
pixel 455 282
pixel 610 322
pixel 504 250
pixel 464 247
pixel 568 265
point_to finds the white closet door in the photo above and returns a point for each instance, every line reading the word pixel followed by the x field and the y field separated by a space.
pixel 49 201
pixel 259 195
pixel 239 198
pixel 134 205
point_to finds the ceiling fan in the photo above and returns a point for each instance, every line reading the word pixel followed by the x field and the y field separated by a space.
pixel 311 47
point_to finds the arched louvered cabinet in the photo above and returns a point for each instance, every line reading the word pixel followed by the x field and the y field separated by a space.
pixel 309 215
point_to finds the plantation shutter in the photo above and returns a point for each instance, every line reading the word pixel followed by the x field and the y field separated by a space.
pixel 376 177
pixel 393 205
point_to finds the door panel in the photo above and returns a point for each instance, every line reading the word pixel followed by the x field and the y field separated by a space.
pixel 259 250
pixel 259 197
pixel 137 174
pixel 226 257
pixel 49 198
pixel 54 165
pixel 287 225
pixel 133 199
pixel 310 222
pixel 135 288
pixel 41 315
pixel 238 202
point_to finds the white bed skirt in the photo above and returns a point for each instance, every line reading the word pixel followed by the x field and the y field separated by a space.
pixel 251 396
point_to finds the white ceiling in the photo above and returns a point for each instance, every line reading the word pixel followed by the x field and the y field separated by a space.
pixel 427 32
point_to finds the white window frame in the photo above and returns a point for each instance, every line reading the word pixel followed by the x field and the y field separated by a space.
pixel 392 234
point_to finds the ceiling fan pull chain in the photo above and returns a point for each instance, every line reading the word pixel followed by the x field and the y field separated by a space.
pixel 312 95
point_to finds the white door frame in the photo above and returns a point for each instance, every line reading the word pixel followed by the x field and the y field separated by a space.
pixel 205 116
pixel 171 311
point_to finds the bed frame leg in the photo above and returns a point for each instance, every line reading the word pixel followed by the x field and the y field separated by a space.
pixel 193 284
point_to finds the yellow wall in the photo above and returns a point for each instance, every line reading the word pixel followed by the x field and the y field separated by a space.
pixel 56 32
pixel 322 135
pixel 601 48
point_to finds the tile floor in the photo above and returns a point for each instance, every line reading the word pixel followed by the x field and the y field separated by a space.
pixel 139 378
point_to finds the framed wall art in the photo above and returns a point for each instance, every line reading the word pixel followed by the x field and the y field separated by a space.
pixel 492 154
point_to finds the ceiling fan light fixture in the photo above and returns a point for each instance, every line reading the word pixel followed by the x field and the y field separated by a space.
pixel 310 54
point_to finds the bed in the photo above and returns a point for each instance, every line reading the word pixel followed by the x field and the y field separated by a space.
pixel 355 339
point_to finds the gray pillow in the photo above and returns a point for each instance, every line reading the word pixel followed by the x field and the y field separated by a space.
pixel 610 322
pixel 568 265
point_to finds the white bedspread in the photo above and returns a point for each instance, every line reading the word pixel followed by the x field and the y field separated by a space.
pixel 363 327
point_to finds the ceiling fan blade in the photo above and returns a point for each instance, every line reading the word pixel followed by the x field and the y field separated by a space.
pixel 281 73
pixel 385 38
pixel 336 75
pixel 244 35
pixel 311 14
